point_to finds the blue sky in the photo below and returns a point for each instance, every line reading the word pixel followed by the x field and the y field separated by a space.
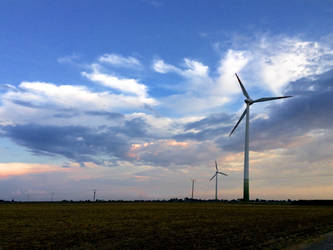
pixel 134 98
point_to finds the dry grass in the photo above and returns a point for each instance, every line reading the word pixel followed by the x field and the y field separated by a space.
pixel 159 225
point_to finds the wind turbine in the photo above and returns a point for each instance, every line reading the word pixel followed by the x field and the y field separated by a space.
pixel 246 112
pixel 193 180
pixel 215 176
pixel 94 190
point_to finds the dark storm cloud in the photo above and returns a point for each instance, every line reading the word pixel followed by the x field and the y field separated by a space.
pixel 220 118
pixel 204 134
pixel 45 106
pixel 208 128
pixel 135 128
pixel 66 114
pixel 26 104
pixel 309 109
pixel 73 142
pixel 78 143
pixel 109 115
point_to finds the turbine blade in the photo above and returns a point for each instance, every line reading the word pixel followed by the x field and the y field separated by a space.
pixel 223 173
pixel 213 177
pixel 240 119
pixel 265 99
pixel 216 166
pixel 243 89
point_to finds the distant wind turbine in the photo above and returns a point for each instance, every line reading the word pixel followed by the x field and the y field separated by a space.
pixel 193 180
pixel 215 176
pixel 94 199
pixel 246 112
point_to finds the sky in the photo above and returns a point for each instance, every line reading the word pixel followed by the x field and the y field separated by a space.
pixel 134 98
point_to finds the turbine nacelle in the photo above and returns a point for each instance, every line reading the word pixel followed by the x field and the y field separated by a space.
pixel 249 101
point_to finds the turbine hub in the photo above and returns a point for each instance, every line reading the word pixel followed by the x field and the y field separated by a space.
pixel 248 101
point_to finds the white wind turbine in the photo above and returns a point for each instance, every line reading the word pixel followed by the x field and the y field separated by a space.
pixel 246 112
pixel 215 176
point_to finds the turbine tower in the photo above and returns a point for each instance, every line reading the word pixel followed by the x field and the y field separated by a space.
pixel 215 176
pixel 193 180
pixel 246 112
pixel 94 198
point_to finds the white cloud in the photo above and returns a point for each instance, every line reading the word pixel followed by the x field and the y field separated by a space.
pixel 71 96
pixel 273 63
pixel 124 85
pixel 161 67
pixel 127 86
pixel 20 168
pixel 197 90
pixel 40 101
pixel 68 59
pixel 120 61
pixel 291 59
pixel 234 61
pixel 269 63
pixel 193 68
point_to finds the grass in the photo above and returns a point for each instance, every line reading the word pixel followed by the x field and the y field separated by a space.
pixel 159 225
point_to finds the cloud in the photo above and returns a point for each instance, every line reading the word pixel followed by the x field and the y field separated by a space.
pixel 72 59
pixel 20 168
pixel 42 102
pixel 192 68
pixel 95 129
pixel 295 119
pixel 103 144
pixel 120 61
pixel 171 153
pixel 208 128
pixel 124 85
pixel 195 69
pixel 273 62
pixel 109 115
pixel 234 61
pixel 305 112
pixel 196 94
pixel 66 96
pixel 267 64
pixel 161 67
pixel 79 144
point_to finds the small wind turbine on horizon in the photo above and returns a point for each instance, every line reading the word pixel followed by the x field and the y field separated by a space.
pixel 246 112
pixel 193 180
pixel 215 176
pixel 94 197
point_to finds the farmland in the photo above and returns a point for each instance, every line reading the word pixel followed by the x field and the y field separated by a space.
pixel 149 225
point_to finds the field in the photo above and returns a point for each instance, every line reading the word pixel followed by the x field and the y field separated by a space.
pixel 159 225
